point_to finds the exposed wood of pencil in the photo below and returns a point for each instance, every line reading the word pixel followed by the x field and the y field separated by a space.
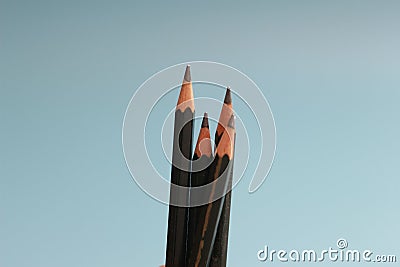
pixel 220 248
pixel 186 99
pixel 182 143
pixel 225 115
pixel 202 159
pixel 220 170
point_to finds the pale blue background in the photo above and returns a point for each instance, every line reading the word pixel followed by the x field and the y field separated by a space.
pixel 330 71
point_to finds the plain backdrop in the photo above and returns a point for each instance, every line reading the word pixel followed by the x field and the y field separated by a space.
pixel 329 69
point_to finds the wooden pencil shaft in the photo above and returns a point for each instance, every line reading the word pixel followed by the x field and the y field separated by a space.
pixel 178 216
pixel 220 248
pixel 197 214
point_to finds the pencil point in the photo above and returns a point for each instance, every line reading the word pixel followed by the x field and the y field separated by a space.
pixel 204 123
pixel 225 115
pixel 187 77
pixel 228 97
pixel 203 145
pixel 185 99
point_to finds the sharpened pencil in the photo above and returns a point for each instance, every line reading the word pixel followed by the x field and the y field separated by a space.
pixel 180 174
pixel 202 159
pixel 220 248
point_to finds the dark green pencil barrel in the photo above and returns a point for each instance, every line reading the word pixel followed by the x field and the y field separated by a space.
pixel 202 160
pixel 180 175
pixel 220 248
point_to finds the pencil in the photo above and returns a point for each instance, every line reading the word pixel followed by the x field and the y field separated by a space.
pixel 180 174
pixel 202 159
pixel 220 248
pixel 221 169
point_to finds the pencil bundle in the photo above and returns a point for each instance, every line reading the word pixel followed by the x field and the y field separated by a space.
pixel 198 236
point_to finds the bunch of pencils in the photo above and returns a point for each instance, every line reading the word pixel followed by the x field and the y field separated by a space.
pixel 198 235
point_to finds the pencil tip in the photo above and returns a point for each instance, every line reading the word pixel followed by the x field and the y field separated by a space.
pixel 228 97
pixel 188 77
pixel 185 99
pixel 203 145
pixel 204 123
